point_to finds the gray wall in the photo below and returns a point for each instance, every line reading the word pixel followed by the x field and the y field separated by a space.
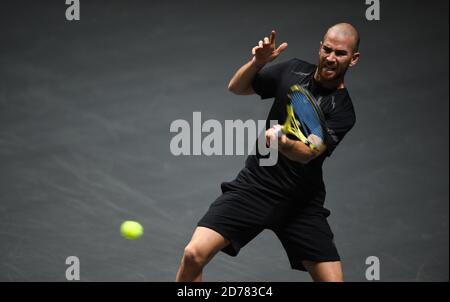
pixel 85 110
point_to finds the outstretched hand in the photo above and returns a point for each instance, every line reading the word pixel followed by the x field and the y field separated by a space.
pixel 266 50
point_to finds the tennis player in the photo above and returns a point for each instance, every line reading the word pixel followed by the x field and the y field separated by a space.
pixel 287 198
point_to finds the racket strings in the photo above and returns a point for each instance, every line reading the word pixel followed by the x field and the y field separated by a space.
pixel 293 126
pixel 307 115
pixel 304 118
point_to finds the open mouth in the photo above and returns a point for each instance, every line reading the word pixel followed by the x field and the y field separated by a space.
pixel 329 71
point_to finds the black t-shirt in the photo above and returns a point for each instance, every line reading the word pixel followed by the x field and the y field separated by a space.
pixel 289 178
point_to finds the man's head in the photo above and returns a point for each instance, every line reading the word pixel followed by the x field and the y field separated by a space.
pixel 338 51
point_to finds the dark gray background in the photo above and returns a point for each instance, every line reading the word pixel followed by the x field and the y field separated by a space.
pixel 85 110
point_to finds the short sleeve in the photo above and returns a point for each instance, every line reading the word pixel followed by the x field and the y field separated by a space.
pixel 266 81
pixel 339 123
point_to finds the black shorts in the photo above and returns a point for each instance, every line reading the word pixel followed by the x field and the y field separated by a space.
pixel 242 212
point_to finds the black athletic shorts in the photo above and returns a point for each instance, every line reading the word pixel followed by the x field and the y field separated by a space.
pixel 243 211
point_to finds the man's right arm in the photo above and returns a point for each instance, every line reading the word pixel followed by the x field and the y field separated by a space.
pixel 263 53
pixel 241 82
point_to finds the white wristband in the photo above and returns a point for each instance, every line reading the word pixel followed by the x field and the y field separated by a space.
pixel 278 130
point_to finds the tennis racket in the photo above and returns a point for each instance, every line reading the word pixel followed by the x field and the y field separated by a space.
pixel 304 119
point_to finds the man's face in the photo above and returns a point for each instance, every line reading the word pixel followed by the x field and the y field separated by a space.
pixel 335 56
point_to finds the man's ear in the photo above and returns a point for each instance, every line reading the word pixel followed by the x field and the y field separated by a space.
pixel 355 59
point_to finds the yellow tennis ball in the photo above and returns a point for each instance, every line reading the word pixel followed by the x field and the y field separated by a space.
pixel 131 230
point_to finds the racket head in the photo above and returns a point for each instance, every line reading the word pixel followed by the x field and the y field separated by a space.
pixel 305 119
pixel 292 125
